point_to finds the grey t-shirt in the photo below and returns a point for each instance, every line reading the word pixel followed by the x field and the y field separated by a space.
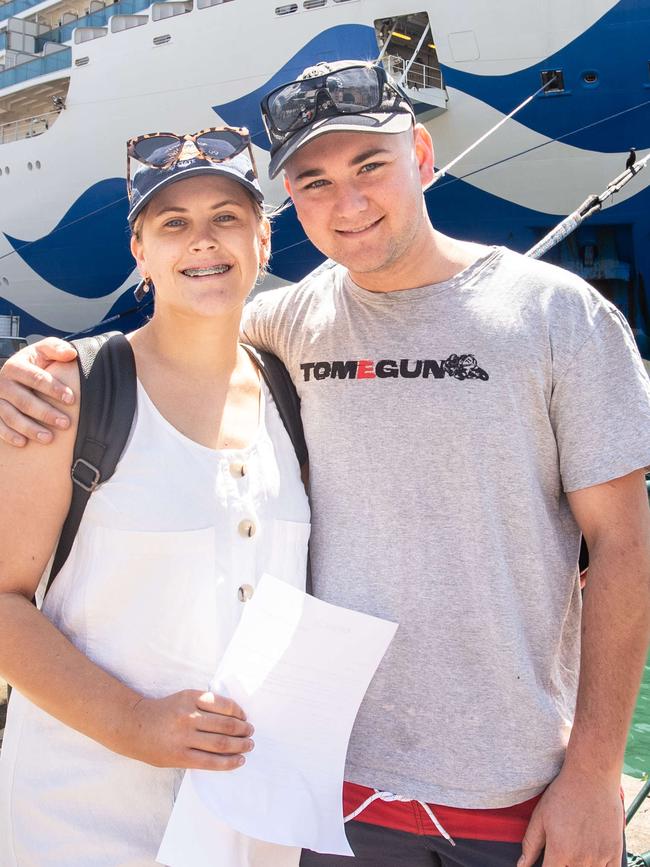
pixel 445 424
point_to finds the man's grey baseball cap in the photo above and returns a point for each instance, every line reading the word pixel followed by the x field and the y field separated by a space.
pixel 393 115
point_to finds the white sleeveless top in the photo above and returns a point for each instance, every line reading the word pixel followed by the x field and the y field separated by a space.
pixel 167 553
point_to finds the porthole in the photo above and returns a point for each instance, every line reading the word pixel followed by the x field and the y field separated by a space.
pixel 37 164
pixel 5 281
pixel 590 77
pixel 30 166
pixel 162 40
pixel 6 170
pixel 286 10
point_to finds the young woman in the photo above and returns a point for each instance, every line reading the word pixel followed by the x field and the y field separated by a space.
pixel 109 701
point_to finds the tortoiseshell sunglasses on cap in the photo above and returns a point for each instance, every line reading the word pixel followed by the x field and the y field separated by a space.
pixel 162 150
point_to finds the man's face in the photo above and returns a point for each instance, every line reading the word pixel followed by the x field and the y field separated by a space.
pixel 359 198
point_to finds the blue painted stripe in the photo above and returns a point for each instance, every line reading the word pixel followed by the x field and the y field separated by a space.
pixel 617 49
pixel 337 43
pixel 87 253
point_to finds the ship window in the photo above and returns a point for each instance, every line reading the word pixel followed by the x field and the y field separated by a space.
pixel 6 170
pixel 553 80
pixel 345 1
pixel 590 77
pixel 37 164
pixel 161 40
pixel 81 61
pixel 286 10
pixel 30 166
pixel 314 4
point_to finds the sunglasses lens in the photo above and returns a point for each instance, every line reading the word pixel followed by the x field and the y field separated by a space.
pixel 354 90
pixel 157 150
pixel 295 102
pixel 221 144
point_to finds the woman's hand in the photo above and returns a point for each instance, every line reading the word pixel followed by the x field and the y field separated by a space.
pixel 189 729
pixel 22 379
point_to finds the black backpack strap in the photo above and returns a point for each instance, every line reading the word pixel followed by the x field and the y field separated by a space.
pixel 107 405
pixel 285 396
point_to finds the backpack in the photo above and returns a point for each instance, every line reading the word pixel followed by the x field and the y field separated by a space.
pixel 107 406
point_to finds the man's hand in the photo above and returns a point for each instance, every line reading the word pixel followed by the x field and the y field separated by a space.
pixel 20 408
pixel 579 822
pixel 188 729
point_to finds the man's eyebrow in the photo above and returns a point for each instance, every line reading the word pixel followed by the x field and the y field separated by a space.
pixel 355 161
pixel 175 209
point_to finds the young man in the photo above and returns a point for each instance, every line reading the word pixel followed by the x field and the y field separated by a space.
pixel 468 413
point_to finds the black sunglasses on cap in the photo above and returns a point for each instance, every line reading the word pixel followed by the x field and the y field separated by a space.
pixel 351 90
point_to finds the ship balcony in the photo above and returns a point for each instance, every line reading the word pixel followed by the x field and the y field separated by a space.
pixel 61 58
pixel 421 82
pixel 14 7
pixel 98 18
pixel 29 127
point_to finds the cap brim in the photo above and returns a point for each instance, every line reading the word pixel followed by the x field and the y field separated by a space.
pixel 221 169
pixel 381 122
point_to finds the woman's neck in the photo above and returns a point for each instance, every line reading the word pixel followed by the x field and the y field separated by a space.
pixel 201 348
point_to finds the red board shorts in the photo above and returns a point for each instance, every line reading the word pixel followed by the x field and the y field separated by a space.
pixel 401 834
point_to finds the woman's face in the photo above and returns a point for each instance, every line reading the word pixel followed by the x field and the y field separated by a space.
pixel 202 244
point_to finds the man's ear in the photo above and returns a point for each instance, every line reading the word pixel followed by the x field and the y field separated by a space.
pixel 287 185
pixel 424 153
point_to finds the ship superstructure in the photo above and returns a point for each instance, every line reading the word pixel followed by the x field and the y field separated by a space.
pixel 78 77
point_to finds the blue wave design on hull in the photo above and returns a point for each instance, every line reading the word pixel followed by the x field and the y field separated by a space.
pixel 87 253
pixel 338 43
pixel 616 49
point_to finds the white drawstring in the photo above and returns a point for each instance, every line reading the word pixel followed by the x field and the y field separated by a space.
pixel 389 796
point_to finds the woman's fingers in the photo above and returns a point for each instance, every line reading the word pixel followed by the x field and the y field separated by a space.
pixel 219 704
pixel 220 744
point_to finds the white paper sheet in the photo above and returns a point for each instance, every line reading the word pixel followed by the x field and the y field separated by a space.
pixel 299 667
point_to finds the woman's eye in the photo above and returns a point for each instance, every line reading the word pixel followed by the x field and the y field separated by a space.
pixel 224 218
pixel 173 224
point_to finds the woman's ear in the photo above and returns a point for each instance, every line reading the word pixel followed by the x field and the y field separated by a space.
pixel 138 254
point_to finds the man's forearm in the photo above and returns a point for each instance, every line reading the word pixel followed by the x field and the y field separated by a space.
pixel 615 632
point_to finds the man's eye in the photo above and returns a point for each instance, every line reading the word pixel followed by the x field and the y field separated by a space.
pixel 314 185
pixel 370 167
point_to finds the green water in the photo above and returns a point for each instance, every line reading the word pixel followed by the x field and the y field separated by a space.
pixel 637 755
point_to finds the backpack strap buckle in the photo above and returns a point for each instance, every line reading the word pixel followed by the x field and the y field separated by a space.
pixel 85 475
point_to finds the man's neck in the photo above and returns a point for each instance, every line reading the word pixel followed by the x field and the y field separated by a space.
pixel 437 258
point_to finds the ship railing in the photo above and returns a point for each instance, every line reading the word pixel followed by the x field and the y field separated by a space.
pixel 419 76
pixel 27 127
pixel 13 7
pixel 94 19
pixel 39 66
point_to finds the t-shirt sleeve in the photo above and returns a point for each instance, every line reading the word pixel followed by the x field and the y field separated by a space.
pixel 600 407
pixel 261 322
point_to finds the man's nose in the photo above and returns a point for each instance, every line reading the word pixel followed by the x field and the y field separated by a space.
pixel 350 201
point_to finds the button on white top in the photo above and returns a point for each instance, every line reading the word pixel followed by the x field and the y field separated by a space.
pixel 238 469
pixel 245 592
pixel 246 528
